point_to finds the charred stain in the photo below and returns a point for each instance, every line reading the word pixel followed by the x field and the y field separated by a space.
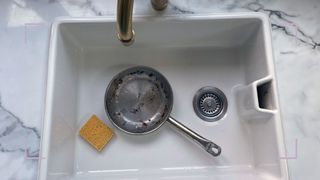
pixel 117 113
pixel 120 81
pixel 139 72
pixel 166 108
pixel 167 96
pixel 163 114
pixel 152 89
pixel 137 109
pixel 157 85
pixel 114 94
pixel 134 110
pixel 151 98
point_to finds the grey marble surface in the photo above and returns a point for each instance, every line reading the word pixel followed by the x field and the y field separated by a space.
pixel 24 34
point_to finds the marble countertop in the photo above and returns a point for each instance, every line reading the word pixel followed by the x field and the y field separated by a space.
pixel 24 34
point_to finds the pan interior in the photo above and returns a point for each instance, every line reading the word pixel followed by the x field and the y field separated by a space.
pixel 138 100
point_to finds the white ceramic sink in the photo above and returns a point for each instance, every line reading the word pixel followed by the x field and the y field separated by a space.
pixel 230 52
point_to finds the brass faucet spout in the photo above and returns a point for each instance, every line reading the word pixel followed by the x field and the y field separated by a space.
pixel 124 21
pixel 124 18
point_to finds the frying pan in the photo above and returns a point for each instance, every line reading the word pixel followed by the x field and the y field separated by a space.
pixel 139 100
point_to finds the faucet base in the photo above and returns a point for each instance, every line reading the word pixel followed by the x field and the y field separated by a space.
pixel 127 42
pixel 159 5
pixel 125 31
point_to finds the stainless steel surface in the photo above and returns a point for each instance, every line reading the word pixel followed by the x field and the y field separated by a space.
pixel 125 30
pixel 159 5
pixel 207 145
pixel 210 104
pixel 139 100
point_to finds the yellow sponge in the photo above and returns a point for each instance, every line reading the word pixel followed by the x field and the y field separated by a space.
pixel 96 133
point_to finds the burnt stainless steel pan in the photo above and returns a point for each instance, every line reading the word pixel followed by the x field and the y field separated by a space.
pixel 139 100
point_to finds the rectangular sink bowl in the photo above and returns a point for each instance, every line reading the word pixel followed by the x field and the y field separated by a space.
pixel 229 52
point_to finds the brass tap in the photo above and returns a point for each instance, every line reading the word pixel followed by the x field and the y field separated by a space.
pixel 124 18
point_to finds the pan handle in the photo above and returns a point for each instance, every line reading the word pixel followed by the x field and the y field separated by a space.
pixel 207 145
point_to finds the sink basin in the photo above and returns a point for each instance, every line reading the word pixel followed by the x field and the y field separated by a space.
pixel 229 52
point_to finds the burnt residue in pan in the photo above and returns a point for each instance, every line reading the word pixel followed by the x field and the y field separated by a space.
pixel 137 108
pixel 165 110
pixel 118 83
pixel 124 123
pixel 157 122
pixel 118 114
pixel 151 95
pixel 144 124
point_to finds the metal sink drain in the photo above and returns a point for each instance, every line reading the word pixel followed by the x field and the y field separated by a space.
pixel 210 103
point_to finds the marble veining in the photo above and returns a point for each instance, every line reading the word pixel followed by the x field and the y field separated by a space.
pixel 16 139
pixel 280 21
pixel 24 31
pixel 14 134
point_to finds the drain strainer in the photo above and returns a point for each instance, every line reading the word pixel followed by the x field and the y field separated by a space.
pixel 210 103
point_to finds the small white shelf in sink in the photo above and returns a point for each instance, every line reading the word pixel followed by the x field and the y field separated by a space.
pixel 230 52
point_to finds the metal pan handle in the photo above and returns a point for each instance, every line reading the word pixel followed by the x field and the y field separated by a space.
pixel 207 145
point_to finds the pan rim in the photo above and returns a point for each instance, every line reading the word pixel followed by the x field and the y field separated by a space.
pixel 170 104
